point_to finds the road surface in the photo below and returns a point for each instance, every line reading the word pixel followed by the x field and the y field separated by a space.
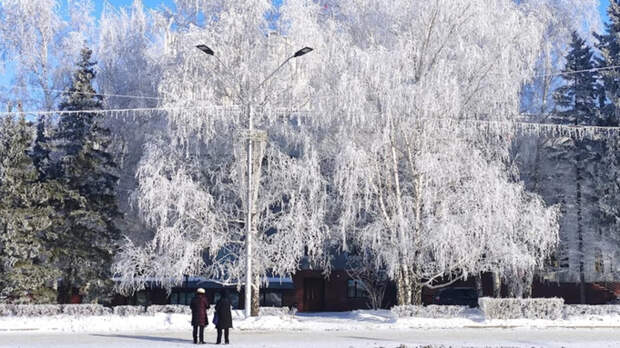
pixel 411 338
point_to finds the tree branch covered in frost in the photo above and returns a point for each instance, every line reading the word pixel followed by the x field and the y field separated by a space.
pixel 560 18
pixel 39 44
pixel 194 195
pixel 429 201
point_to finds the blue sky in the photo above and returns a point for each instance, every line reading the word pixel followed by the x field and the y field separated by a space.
pixel 119 3
pixel 603 9
pixel 169 3
pixel 4 80
pixel 146 3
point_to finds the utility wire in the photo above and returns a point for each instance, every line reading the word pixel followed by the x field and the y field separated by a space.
pixel 580 71
pixel 101 94
pixel 524 124
pixel 103 111
pixel 128 96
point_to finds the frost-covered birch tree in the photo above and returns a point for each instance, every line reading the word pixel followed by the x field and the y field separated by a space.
pixel 561 19
pixel 130 43
pixel 410 179
pixel 38 43
pixel 192 182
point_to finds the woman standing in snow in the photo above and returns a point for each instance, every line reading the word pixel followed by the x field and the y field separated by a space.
pixel 223 317
pixel 199 307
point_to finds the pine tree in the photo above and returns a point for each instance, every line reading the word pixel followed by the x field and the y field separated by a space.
pixel 579 100
pixel 608 189
pixel 41 150
pixel 26 218
pixel 86 247
pixel 578 97
pixel 609 46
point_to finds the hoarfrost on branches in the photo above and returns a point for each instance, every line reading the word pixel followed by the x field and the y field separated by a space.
pixel 192 184
pixel 430 201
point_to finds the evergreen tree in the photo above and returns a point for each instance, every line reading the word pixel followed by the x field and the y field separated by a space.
pixel 26 217
pixel 609 46
pixel 578 97
pixel 580 102
pixel 86 247
pixel 608 189
pixel 41 150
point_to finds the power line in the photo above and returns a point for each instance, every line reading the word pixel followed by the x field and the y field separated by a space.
pixel 581 71
pixel 103 111
pixel 101 94
pixel 236 108
pixel 523 127
pixel 129 96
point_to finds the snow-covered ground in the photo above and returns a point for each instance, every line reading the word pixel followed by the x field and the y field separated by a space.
pixel 346 329
pixel 361 320
pixel 396 338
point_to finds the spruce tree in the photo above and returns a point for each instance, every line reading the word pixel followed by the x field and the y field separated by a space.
pixel 578 97
pixel 608 185
pixel 26 219
pixel 86 247
pixel 41 150
pixel 609 46
pixel 579 101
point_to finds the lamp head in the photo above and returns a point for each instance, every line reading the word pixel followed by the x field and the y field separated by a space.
pixel 302 51
pixel 205 49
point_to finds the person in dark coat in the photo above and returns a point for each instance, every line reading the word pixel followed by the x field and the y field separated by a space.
pixel 199 307
pixel 224 317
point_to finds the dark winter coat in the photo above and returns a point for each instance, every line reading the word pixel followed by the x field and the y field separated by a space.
pixel 224 317
pixel 199 310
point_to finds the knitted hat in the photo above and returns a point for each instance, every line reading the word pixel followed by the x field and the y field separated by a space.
pixel 200 291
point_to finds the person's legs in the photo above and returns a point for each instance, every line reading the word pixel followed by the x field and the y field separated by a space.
pixel 202 334
pixel 226 336
pixel 195 334
pixel 219 336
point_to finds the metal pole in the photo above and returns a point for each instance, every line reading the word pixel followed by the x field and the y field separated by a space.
pixel 248 238
pixel 248 102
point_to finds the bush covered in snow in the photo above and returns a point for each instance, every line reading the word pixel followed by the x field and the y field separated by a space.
pixel 31 310
pixel 129 310
pixel 180 309
pixel 6 310
pixel 589 310
pixel 85 309
pixel 277 311
pixel 432 311
pixel 522 308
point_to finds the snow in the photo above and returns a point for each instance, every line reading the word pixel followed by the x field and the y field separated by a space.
pixel 360 328
pixel 410 338
pixel 361 320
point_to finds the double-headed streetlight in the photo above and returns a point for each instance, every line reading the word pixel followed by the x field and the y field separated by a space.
pixel 250 205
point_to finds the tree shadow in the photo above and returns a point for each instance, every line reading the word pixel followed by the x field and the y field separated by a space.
pixel 148 338
pixel 370 338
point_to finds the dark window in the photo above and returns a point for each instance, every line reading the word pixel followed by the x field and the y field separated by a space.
pixel 233 297
pixel 599 265
pixel 181 297
pixel 141 298
pixel 465 293
pixel 356 289
pixel 270 299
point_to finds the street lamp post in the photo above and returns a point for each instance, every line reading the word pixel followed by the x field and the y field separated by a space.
pixel 250 203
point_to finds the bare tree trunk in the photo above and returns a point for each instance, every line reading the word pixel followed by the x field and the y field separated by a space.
pixel 527 286
pixel 497 285
pixel 478 280
pixel 416 293
pixel 403 287
pixel 255 296
pixel 582 288
pixel 408 288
